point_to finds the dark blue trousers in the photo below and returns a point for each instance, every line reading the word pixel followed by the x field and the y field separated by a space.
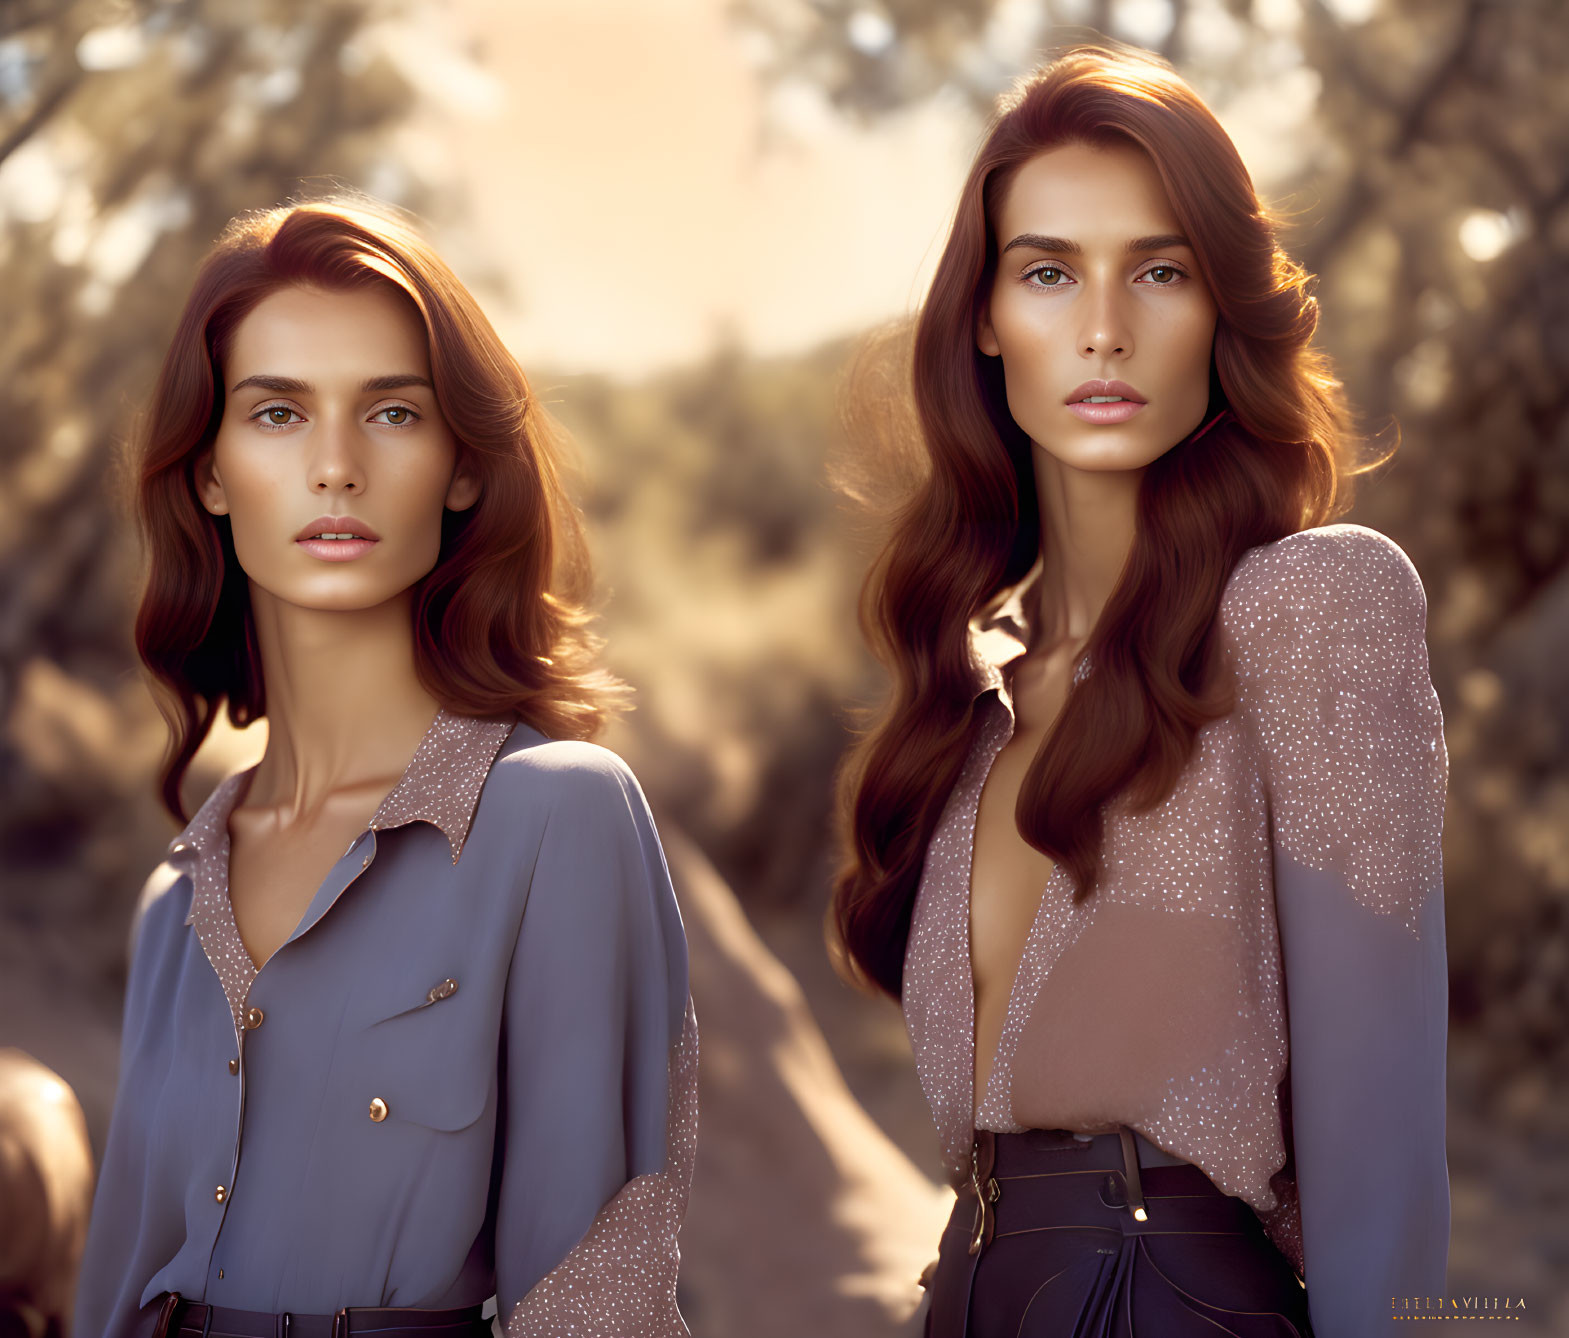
pixel 1060 1250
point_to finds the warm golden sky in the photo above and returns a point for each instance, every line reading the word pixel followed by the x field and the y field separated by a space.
pixel 618 172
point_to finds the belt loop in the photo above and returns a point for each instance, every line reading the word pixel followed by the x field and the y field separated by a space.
pixel 1130 1161
pixel 983 1161
pixel 166 1311
pixel 340 1323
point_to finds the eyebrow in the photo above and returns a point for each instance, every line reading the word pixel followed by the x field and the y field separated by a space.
pixel 292 385
pixel 1062 246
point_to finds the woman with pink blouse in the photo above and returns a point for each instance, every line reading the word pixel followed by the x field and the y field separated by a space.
pixel 1147 839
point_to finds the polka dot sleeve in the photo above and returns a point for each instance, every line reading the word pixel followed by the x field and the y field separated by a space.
pixel 1334 677
pixel 600 1054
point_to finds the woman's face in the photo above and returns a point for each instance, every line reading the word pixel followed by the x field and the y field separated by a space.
pixel 1095 284
pixel 330 425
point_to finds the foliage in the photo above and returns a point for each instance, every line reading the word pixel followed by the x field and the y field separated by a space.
pixel 731 571
pixel 129 134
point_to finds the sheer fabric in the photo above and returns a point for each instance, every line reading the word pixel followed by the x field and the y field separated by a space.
pixel 1259 983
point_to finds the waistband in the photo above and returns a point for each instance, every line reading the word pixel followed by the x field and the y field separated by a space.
pixel 180 1318
pixel 1111 1166
pixel 1149 1154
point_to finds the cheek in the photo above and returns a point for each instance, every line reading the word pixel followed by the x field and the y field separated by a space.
pixel 418 482
pixel 1030 340
pixel 1023 326
pixel 1199 347
pixel 252 488
pixel 1191 335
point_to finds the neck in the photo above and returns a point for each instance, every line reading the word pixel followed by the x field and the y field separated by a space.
pixel 1088 519
pixel 344 705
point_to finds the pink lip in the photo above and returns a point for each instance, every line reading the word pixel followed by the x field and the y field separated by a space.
pixel 1132 402
pixel 337 525
pixel 1106 413
pixel 1121 388
pixel 336 550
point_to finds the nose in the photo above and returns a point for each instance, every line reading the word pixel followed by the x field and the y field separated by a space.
pixel 1106 329
pixel 334 463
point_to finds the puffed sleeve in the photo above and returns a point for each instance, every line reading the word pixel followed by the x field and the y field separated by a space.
pixel 1335 669
pixel 600 1056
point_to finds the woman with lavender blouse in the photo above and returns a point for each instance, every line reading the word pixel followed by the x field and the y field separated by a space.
pixel 408 1025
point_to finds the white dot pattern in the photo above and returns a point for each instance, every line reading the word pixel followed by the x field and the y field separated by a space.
pixel 203 847
pixel 619 1280
pixel 1337 738
pixel 440 785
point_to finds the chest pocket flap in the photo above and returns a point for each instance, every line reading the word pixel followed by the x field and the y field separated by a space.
pixel 425 1055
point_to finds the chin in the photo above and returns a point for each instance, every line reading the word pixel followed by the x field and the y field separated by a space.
pixel 347 597
pixel 1103 449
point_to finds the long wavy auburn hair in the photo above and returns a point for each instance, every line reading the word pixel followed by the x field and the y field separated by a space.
pixel 500 623
pixel 969 530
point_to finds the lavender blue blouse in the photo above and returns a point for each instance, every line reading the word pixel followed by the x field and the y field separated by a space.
pixel 469 1072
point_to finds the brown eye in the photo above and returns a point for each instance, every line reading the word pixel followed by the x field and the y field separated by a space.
pixel 1056 281
pixel 278 416
pixel 1168 271
pixel 397 416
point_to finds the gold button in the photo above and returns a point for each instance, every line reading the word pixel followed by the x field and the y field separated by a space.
pixel 378 1109
pixel 220 1193
pixel 448 988
pixel 234 1066
pixel 253 1018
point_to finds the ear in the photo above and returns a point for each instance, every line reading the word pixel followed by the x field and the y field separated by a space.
pixel 985 335
pixel 209 487
pixel 462 492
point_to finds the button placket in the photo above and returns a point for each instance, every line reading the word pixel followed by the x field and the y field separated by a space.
pixel 213 920
pixel 453 740
pixel 223 1193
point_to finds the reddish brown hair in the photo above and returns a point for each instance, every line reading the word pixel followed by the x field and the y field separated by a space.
pixel 970 530
pixel 499 623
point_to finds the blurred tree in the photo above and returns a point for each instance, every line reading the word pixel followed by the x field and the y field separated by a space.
pixel 871 57
pixel 130 132
pixel 733 576
pixel 1446 300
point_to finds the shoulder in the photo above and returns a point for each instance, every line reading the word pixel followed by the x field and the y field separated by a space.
pixel 563 768
pixel 598 854
pixel 162 906
pixel 161 888
pixel 575 787
pixel 1333 574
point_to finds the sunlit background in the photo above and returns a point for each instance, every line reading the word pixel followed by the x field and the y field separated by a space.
pixel 683 215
